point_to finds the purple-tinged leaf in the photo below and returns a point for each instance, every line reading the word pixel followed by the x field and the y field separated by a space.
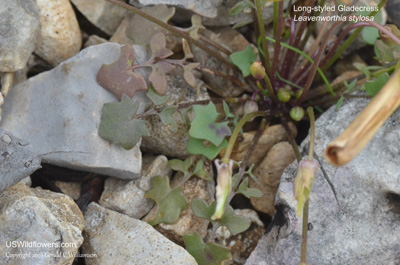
pixel 157 76
pixel 118 77
pixel 188 75
pixel 157 46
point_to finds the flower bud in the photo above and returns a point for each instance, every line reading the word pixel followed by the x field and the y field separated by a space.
pixel 257 70
pixel 297 113
pixel 283 95
pixel 304 181
pixel 386 39
pixel 224 186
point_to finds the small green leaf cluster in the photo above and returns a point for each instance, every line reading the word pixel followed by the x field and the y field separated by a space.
pixel 207 135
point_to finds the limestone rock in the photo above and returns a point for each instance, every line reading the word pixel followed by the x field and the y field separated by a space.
pixel 362 225
pixel 162 139
pixel 206 8
pixel 35 216
pixel 104 15
pixel 119 239
pixel 269 173
pixel 58 113
pixel 127 197
pixel 60 36
pixel 16 160
pixel 19 30
pixel 270 136
pixel 71 189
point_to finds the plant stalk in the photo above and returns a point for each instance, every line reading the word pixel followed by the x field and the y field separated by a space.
pixel 176 32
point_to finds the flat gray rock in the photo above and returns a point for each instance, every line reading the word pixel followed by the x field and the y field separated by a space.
pixel 19 28
pixel 16 160
pixel 206 8
pixel 58 112
pixel 119 239
pixel 363 226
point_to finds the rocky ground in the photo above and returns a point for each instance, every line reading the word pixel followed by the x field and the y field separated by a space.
pixel 63 185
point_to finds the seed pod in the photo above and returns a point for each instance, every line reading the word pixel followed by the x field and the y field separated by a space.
pixel 297 113
pixel 283 95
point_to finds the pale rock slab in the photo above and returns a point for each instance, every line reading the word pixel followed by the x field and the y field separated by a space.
pixel 119 239
pixel 127 197
pixel 16 160
pixel 58 112
pixel 206 8
pixel 362 226
pixel 269 173
pixel 19 31
pixel 104 15
pixel 60 35
pixel 37 216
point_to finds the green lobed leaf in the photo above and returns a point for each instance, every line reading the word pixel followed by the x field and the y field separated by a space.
pixel 157 99
pixel 205 127
pixel 236 224
pixel 118 77
pixel 166 117
pixel 205 254
pixel 373 87
pixel 249 192
pixel 200 172
pixel 197 147
pixel 170 202
pixel 202 210
pixel 118 124
pixel 370 35
pixel 181 166
pixel 244 59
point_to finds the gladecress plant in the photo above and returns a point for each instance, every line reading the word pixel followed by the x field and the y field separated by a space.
pixel 280 84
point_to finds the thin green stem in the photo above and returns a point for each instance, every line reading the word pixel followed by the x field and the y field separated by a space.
pixel 312 132
pixel 309 59
pixel 264 42
pixel 350 40
pixel 304 231
pixel 176 32
pixel 306 205
pixel 236 131
pixel 291 138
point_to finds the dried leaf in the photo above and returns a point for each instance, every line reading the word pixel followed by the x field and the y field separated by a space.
pixel 157 46
pixel 141 30
pixel 188 75
pixel 118 77
pixel 186 50
pixel 118 124
pixel 196 26
pixel 157 76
